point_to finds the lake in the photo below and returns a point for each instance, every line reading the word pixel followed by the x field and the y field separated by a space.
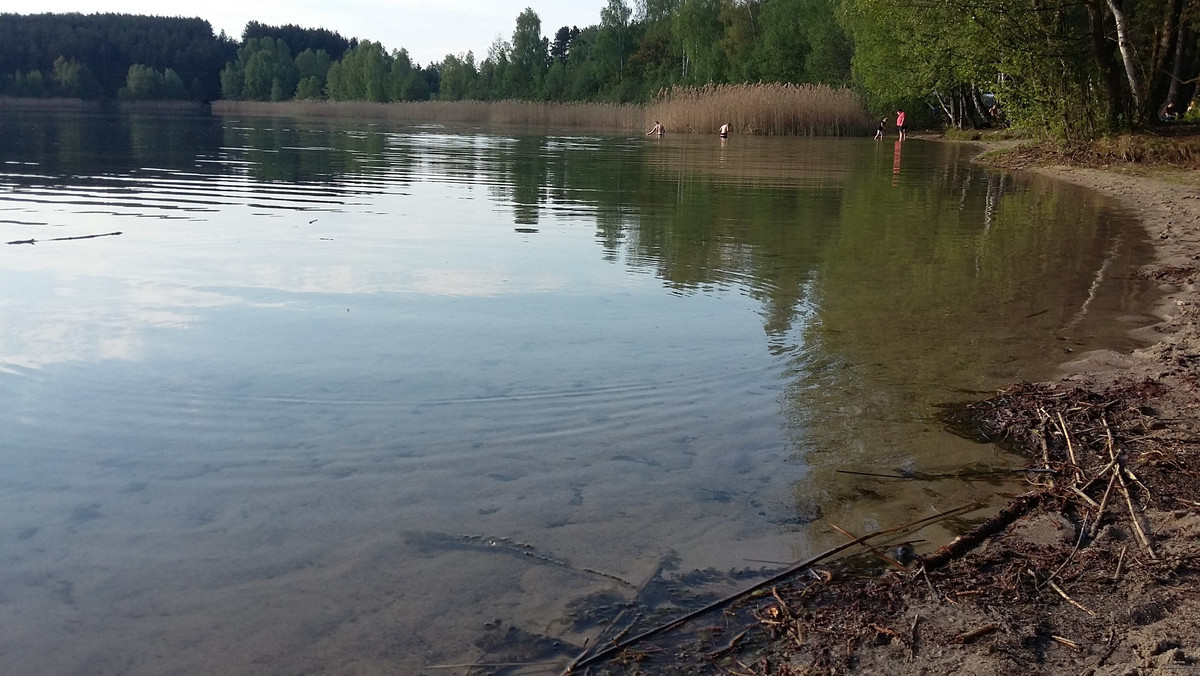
pixel 286 396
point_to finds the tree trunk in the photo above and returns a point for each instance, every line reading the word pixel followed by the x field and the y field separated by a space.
pixel 1105 62
pixel 1166 52
pixel 977 104
pixel 945 109
pixel 1180 72
pixel 1128 58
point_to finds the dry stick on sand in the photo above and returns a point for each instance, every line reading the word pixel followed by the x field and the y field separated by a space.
pixel 1118 469
pixel 1082 531
pixel 789 571
pixel 969 636
pixel 1112 480
pixel 920 476
pixel 1070 447
pixel 874 550
pixel 1104 501
pixel 1020 506
pixel 1068 598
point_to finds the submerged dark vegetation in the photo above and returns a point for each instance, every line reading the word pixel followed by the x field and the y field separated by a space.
pixel 1071 69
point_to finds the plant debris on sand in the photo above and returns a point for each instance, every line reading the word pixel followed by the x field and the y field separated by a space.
pixel 1092 569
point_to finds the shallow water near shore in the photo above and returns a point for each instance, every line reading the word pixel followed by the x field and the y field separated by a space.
pixel 357 398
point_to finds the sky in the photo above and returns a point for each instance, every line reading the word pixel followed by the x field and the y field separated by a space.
pixel 428 29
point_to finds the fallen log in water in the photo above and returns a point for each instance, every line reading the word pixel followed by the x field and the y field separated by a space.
pixel 64 239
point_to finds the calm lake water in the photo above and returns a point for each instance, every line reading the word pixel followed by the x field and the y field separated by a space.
pixel 350 398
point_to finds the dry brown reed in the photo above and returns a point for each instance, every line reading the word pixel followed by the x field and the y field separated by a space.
pixel 764 108
pixel 161 106
pixel 48 104
pixel 500 113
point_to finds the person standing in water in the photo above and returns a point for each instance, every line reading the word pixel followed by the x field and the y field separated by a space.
pixel 724 130
pixel 657 130
pixel 879 131
pixel 900 124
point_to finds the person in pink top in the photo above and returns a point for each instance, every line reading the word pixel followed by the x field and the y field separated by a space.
pixel 900 123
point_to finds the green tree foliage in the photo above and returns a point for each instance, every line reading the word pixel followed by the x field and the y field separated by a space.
pixel 458 77
pixel 268 71
pixel 493 72
pixel 312 65
pixel 31 83
pixel 232 81
pixel 368 73
pixel 827 51
pixel 613 40
pixel 310 89
pixel 300 39
pixel 739 39
pixel 698 29
pixel 144 83
pixel 560 49
pixel 782 48
pixel 74 79
pixel 1076 68
pixel 106 45
pixel 528 59
pixel 406 82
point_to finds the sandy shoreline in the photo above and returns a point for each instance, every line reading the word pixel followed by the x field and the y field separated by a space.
pixel 1114 607
pixel 1168 207
pixel 1095 568
pixel 1149 618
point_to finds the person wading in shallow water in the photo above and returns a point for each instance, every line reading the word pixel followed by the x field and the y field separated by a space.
pixel 900 124
pixel 657 130
pixel 724 130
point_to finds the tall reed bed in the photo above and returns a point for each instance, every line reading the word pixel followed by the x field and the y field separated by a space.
pixel 500 113
pixel 775 109
pixel 764 108
pixel 53 104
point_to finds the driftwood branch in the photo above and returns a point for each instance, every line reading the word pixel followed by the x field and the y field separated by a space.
pixel 787 572
pixel 64 239
pixel 969 636
pixel 1019 507
pixel 921 476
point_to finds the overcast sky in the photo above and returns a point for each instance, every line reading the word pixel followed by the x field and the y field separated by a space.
pixel 428 29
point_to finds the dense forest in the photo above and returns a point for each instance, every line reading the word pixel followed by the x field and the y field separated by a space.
pixel 1072 67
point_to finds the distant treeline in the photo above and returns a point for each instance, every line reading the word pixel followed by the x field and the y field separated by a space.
pixel 1071 67
pixel 99 55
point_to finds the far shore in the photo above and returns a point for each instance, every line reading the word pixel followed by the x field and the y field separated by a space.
pixel 67 104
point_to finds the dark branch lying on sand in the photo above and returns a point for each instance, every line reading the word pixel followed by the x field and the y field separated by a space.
pixel 585 659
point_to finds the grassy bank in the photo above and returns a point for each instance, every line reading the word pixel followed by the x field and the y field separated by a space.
pixel 1155 150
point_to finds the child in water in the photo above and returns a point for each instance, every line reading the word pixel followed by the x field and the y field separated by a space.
pixel 879 131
